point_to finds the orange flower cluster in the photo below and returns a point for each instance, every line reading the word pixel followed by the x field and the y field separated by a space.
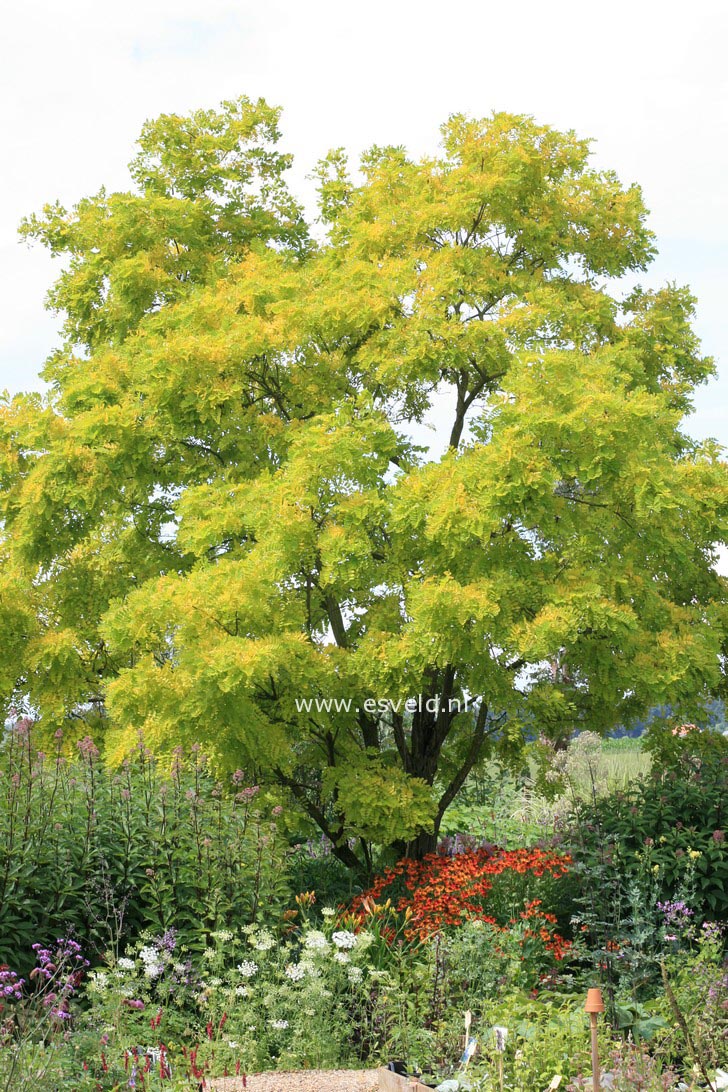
pixel 447 891
pixel 552 941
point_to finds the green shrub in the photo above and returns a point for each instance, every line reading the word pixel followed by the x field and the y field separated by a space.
pixel 650 862
pixel 103 855
pixel 674 820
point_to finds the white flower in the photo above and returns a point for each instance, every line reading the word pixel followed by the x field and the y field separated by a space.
pixel 242 991
pixel 364 939
pixel 341 957
pixel 153 970
pixel 209 954
pixel 279 1025
pixel 232 1044
pixel 378 976
pixel 148 954
pixel 125 964
pixel 215 982
pixel 355 974
pixel 295 972
pixel 264 942
pixel 316 940
pixel 179 968
pixel 344 939
pixel 223 935
pixel 248 968
pixel 328 911
pixel 98 981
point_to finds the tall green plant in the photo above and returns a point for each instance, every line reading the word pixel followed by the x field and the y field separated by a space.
pixel 109 853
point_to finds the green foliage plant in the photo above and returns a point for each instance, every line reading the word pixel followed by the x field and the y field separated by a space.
pixel 110 853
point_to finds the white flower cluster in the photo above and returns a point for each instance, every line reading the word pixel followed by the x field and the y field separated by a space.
pixel 125 964
pixel 279 1025
pixel 328 911
pixel 248 968
pixel 295 971
pixel 224 936
pixel 344 939
pixel 355 975
pixel 153 961
pixel 98 981
pixel 316 940
pixel 264 941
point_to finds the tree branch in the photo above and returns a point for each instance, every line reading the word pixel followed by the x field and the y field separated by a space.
pixel 476 743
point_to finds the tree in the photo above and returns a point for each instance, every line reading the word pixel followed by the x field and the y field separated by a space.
pixel 217 526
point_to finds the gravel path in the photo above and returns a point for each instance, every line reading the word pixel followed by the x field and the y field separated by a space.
pixel 309 1080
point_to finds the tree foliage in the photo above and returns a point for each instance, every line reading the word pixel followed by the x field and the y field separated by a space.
pixel 219 509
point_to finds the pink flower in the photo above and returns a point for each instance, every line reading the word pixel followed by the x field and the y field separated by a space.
pixel 87 747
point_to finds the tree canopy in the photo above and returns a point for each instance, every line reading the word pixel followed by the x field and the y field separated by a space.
pixel 218 513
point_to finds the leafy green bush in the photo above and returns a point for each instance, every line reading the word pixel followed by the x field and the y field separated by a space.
pixel 650 865
pixel 694 1003
pixel 673 821
pixel 103 855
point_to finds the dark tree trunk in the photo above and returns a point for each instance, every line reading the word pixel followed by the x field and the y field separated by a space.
pixel 424 843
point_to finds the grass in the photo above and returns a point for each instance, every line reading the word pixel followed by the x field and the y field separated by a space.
pixel 500 807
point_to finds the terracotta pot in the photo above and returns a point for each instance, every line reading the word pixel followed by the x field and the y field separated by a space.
pixel 594 1002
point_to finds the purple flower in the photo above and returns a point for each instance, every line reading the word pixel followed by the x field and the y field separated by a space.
pixel 168 940
pixel 711 930
pixel 675 913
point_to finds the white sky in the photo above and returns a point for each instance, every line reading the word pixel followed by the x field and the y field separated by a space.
pixel 647 80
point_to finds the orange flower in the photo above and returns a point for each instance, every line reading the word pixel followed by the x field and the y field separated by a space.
pixel 441 891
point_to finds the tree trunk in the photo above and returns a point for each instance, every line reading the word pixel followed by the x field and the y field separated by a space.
pixel 424 843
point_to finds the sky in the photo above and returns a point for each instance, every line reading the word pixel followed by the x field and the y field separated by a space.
pixel 646 80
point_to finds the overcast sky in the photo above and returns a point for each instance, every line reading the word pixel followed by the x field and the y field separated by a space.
pixel 646 80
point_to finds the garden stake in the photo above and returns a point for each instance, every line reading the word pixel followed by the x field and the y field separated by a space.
pixel 501 1034
pixel 594 1004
